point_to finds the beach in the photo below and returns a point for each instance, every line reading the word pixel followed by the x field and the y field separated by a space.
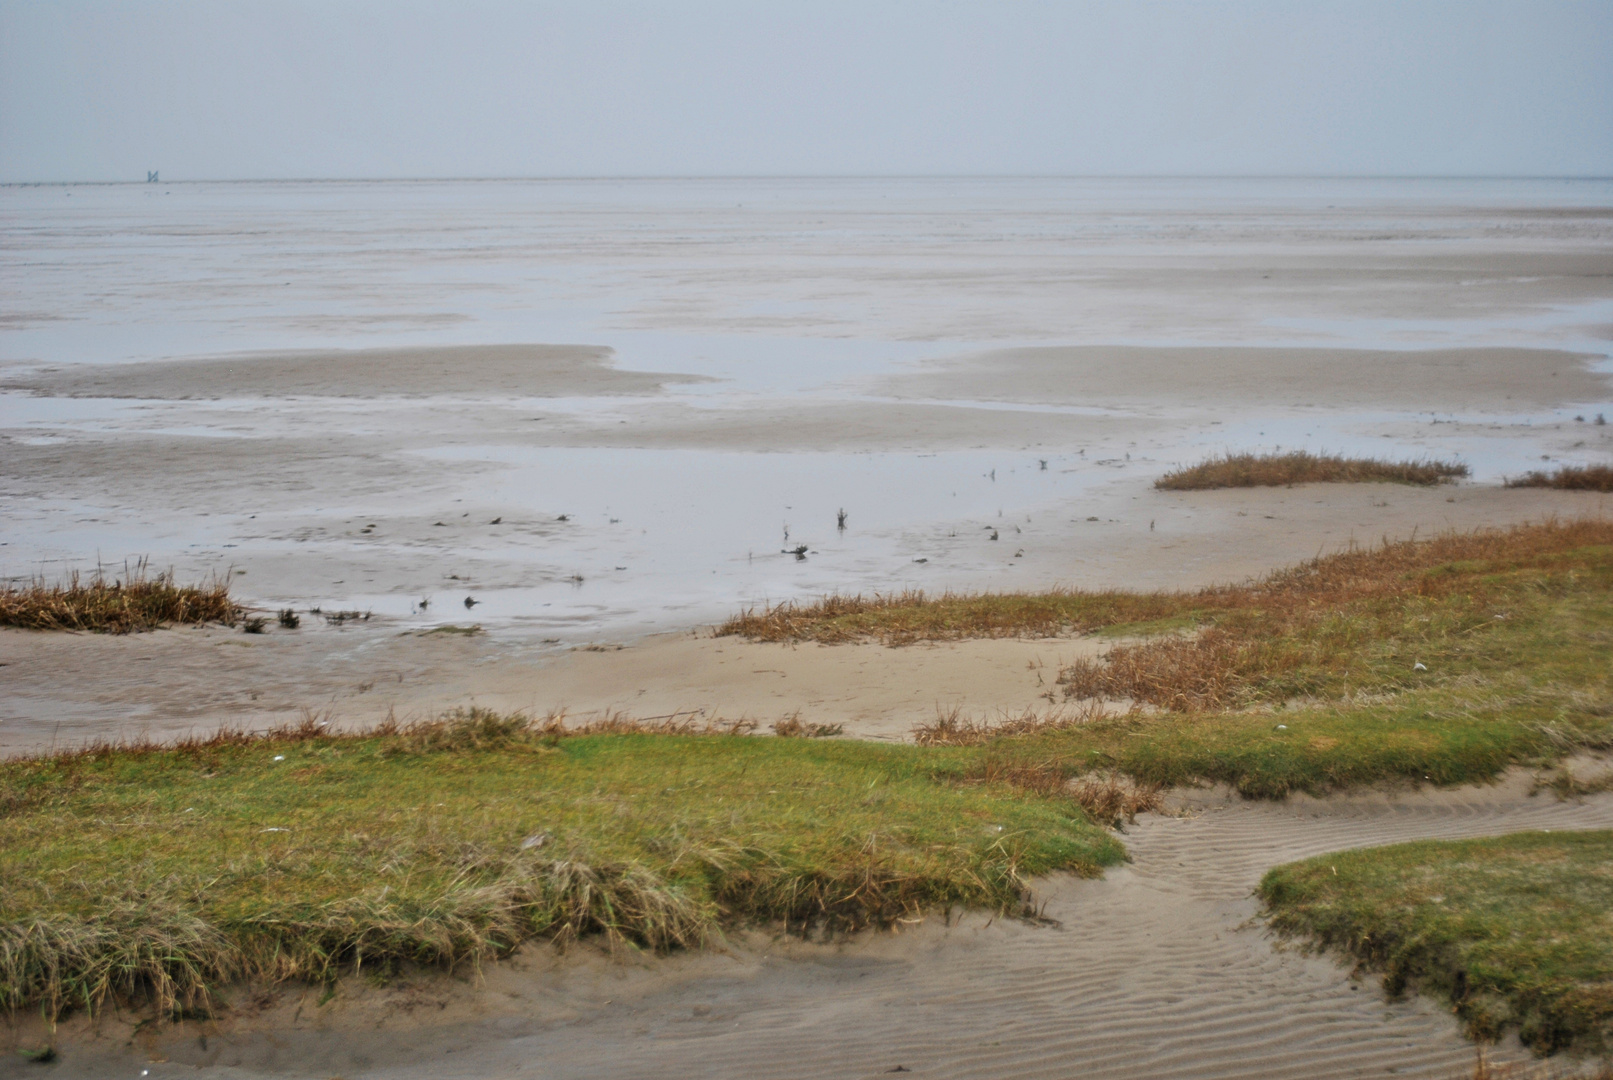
pixel 535 440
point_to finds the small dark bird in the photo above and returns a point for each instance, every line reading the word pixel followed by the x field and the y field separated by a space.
pixel 994 534
pixel 425 602
pixel 470 601
pixel 496 520
pixel 563 517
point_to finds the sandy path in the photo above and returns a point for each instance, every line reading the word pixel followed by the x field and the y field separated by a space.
pixel 1154 973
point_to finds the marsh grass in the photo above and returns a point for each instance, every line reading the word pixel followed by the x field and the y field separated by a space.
pixel 158 873
pixel 1303 467
pixel 912 615
pixel 1309 679
pixel 1568 478
pixel 1480 604
pixel 138 601
pixel 1511 930
pixel 1390 571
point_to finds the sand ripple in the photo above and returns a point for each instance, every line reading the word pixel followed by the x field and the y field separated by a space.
pixel 1157 971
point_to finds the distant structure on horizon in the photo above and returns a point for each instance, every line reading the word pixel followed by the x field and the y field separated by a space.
pixel 151 177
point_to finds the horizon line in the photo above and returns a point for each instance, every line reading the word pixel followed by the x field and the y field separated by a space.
pixel 574 177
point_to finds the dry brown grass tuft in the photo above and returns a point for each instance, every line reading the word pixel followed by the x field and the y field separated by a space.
pixel 1211 670
pixel 1304 467
pixel 953 728
pixel 471 729
pixel 1569 478
pixel 478 728
pixel 1111 797
pixel 137 602
pixel 1108 798
pixel 793 727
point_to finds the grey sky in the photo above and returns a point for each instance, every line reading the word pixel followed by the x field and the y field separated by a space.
pixel 324 88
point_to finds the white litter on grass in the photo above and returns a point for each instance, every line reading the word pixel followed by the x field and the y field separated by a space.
pixel 275 828
pixel 535 840
pixel 280 757
pixel 1419 667
pixel 1282 727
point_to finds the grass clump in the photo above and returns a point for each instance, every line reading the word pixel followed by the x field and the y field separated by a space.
pixel 159 872
pixel 1513 931
pixel 1303 467
pixel 1568 478
pixel 139 602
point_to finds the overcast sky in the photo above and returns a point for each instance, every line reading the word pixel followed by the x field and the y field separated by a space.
pixel 325 88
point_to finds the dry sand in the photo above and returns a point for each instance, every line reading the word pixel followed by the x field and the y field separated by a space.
pixel 1154 971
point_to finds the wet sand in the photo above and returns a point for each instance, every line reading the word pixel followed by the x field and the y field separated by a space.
pixel 68 689
pixel 1447 379
pixel 510 371
pixel 1157 970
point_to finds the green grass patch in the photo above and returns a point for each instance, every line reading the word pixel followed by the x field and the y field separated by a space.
pixel 1514 931
pixel 162 872
pixel 1414 740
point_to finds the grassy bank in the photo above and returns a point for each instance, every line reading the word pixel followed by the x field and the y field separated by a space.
pixel 165 871
pixel 1513 931
pixel 138 602
pixel 1520 613
pixel 1398 573
pixel 1304 467
pixel 1568 478
pixel 1446 660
